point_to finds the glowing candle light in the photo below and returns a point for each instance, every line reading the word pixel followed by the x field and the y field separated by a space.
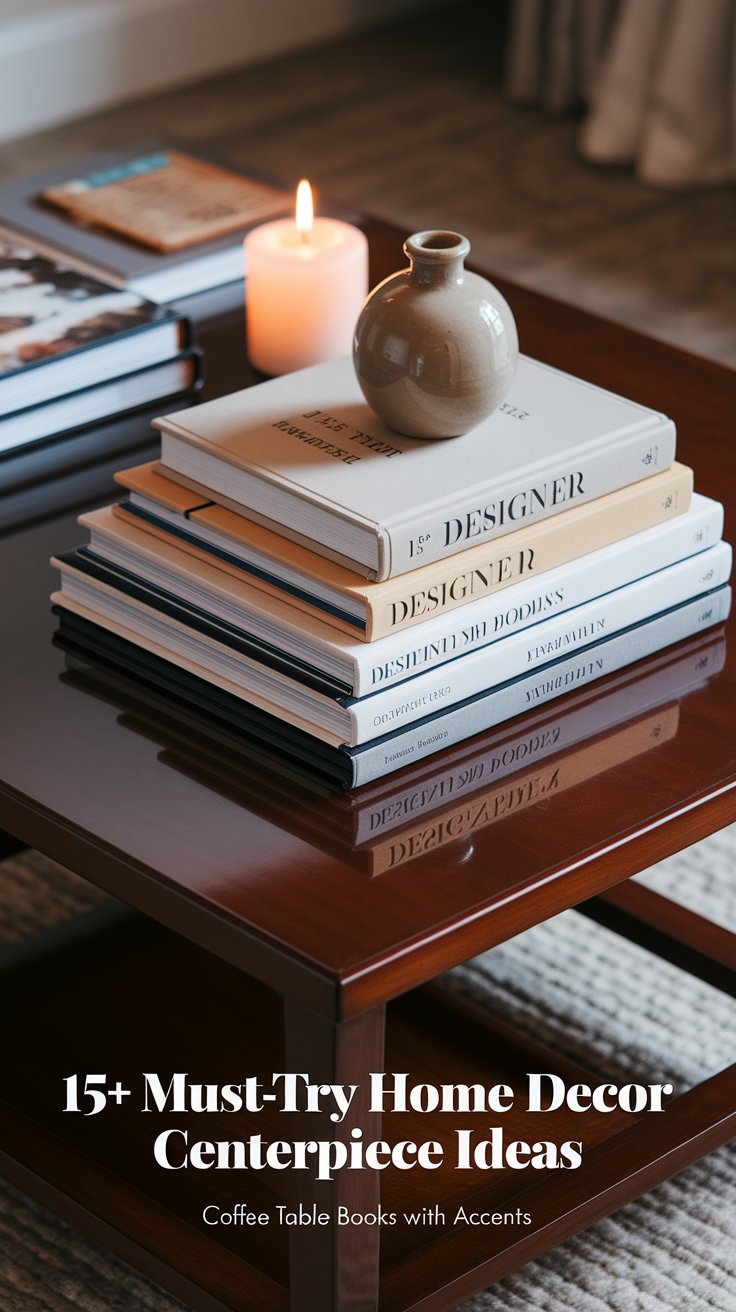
pixel 307 279
pixel 304 210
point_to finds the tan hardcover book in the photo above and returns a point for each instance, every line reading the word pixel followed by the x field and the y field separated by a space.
pixel 168 201
pixel 369 610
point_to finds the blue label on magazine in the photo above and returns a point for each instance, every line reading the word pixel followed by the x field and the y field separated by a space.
pixel 121 172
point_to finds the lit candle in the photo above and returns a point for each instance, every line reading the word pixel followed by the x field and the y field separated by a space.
pixel 306 280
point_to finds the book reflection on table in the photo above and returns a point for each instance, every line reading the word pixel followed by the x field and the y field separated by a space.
pixel 439 803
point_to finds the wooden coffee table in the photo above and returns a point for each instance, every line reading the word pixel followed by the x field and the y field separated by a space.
pixel 252 935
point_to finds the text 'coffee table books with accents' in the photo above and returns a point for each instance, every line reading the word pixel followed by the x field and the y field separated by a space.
pixel 555 543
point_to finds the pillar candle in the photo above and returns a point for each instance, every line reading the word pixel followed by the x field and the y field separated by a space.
pixel 306 281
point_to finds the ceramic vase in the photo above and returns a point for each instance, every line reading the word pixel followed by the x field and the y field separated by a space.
pixel 435 346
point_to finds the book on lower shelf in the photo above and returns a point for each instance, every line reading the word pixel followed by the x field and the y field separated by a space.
pixel 305 455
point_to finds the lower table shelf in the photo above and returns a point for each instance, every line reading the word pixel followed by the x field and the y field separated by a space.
pixel 115 995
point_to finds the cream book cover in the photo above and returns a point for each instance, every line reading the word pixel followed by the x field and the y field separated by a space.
pixel 305 455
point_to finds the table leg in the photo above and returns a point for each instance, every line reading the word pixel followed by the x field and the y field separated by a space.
pixel 335 1268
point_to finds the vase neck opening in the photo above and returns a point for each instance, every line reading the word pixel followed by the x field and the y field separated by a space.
pixel 436 256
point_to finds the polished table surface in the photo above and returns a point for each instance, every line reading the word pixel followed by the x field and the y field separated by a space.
pixel 276 886
pixel 339 903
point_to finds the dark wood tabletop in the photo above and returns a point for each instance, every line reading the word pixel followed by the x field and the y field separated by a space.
pixel 271 876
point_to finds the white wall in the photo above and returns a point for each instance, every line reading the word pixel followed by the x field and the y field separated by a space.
pixel 60 59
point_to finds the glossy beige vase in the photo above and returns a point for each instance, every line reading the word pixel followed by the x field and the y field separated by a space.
pixel 435 346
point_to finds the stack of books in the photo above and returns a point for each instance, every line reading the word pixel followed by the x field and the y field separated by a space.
pixel 74 351
pixel 359 600
pixel 441 802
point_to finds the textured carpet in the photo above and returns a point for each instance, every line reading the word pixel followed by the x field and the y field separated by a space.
pixel 584 990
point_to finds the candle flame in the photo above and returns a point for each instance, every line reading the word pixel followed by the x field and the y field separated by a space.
pixel 304 209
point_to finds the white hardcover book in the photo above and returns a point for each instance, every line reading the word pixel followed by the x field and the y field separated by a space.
pixel 350 721
pixel 361 668
pixel 368 609
pixel 547 736
pixel 98 401
pixel 305 455
pixel 568 673
pixel 526 651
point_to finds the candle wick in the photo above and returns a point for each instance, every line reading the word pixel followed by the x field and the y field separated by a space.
pixel 304 234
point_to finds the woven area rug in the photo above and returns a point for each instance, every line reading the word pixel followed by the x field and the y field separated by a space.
pixel 569 982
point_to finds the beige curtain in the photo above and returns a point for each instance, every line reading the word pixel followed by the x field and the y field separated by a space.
pixel 658 78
